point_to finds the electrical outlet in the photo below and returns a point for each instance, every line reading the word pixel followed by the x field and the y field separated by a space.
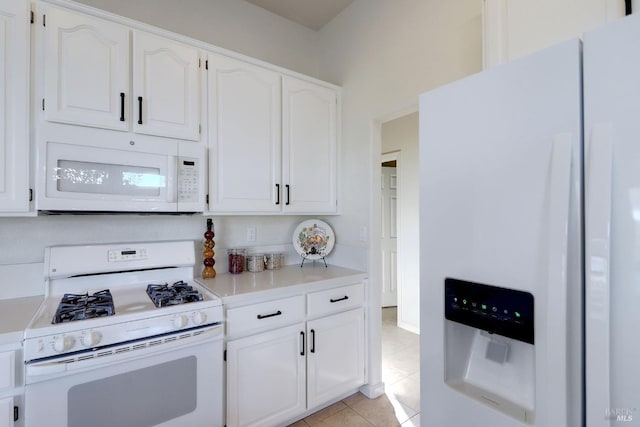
pixel 251 234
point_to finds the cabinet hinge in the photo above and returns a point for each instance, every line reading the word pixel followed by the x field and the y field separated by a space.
pixel 31 194
pixel 42 104
pixel 207 199
pixel 206 64
pixel 15 413
pixel 199 63
pixel 33 17
pixel 44 20
pixel 199 127
pixel 224 357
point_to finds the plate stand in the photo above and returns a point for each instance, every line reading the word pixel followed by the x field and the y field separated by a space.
pixel 304 258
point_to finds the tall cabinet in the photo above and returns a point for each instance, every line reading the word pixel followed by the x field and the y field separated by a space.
pixel 273 141
pixel 89 79
pixel 14 113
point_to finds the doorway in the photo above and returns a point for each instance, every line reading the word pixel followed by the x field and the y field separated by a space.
pixel 389 228
pixel 399 144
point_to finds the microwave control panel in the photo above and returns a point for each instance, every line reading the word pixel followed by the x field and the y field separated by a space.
pixel 502 311
pixel 188 179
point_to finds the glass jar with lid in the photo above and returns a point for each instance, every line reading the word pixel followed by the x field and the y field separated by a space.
pixel 236 260
pixel 274 261
pixel 255 262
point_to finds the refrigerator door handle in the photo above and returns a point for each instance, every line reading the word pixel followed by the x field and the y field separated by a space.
pixel 558 240
pixel 598 192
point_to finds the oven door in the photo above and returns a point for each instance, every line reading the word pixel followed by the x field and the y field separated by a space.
pixel 176 383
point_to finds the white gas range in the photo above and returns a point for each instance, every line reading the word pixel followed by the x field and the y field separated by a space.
pixel 120 326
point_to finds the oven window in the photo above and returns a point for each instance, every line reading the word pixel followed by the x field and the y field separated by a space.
pixel 106 178
pixel 141 398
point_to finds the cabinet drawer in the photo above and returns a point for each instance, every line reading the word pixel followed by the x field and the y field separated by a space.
pixel 334 300
pixel 263 316
pixel 6 370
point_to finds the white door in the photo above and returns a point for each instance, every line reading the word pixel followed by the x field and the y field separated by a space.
pixel 389 236
pixel 266 377
pixel 14 108
pixel 612 241
pixel 166 86
pixel 309 144
pixel 335 361
pixel 6 412
pixel 244 137
pixel 86 70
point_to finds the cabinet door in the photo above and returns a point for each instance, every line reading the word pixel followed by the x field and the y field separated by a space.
pixel 244 140
pixel 14 136
pixel 266 377
pixel 6 412
pixel 309 144
pixel 86 70
pixel 335 362
pixel 165 87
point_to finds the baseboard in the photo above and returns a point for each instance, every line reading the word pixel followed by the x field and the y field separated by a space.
pixel 372 391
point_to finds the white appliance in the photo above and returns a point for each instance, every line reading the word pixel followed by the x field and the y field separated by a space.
pixel 124 360
pixel 82 169
pixel 518 214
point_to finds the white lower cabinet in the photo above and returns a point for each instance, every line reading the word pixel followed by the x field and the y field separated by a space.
pixel 6 412
pixel 277 375
pixel 335 363
pixel 8 390
pixel 266 377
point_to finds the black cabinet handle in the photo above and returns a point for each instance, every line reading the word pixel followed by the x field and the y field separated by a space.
pixel 287 187
pixel 264 316
pixel 302 339
pixel 122 106
pixel 277 194
pixel 339 299
pixel 313 341
pixel 139 110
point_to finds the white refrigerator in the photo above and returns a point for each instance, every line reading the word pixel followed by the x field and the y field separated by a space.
pixel 530 239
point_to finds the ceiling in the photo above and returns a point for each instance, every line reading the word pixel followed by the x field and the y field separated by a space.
pixel 312 14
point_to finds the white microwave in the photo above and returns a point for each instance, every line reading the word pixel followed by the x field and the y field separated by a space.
pixel 120 175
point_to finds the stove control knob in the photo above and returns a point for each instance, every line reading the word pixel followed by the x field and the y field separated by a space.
pixel 199 317
pixel 63 343
pixel 180 321
pixel 91 339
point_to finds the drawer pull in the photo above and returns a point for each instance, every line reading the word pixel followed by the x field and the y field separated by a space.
pixel 264 316
pixel 339 299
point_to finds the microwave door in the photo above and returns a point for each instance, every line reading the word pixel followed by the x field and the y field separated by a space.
pixel 100 179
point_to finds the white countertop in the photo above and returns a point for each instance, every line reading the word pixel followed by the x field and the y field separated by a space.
pixel 16 315
pixel 246 286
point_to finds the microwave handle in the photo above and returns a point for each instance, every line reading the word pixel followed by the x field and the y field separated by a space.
pixel 172 177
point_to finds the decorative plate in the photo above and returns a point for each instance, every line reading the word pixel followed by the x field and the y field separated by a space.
pixel 313 239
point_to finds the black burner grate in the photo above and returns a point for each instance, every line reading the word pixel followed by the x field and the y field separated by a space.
pixel 84 306
pixel 178 293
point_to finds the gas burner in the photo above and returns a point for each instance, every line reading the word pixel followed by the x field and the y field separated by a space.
pixel 178 293
pixel 84 306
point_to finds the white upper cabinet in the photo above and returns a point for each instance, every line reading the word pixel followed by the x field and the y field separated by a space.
pixel 89 80
pixel 272 140
pixel 14 112
pixel 165 87
pixel 309 144
pixel 513 28
pixel 86 70
pixel 244 129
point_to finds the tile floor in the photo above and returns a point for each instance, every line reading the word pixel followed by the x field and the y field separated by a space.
pixel 400 405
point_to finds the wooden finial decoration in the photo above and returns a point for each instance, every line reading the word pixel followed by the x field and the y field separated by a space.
pixel 209 272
